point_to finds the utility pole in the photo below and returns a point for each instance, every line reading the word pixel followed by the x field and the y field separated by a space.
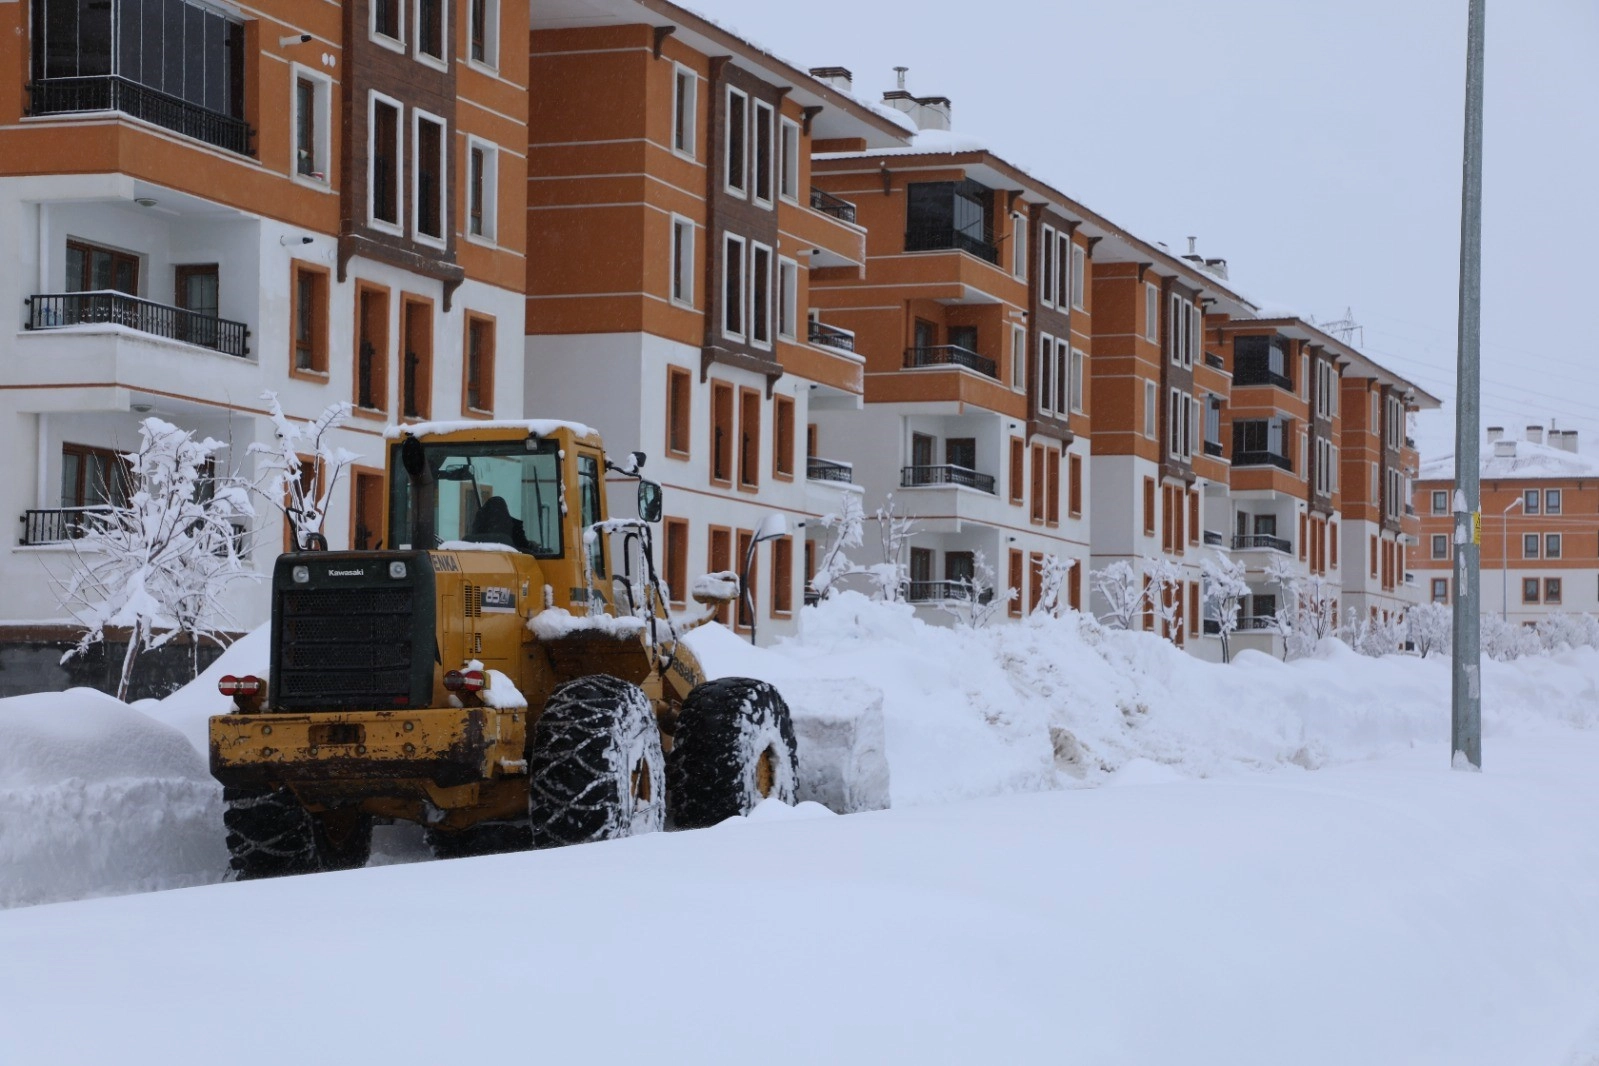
pixel 1466 706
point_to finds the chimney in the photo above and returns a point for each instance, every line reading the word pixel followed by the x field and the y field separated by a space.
pixel 1568 440
pixel 1495 433
pixel 1217 267
pixel 838 77
pixel 1535 434
pixel 1504 449
pixel 928 112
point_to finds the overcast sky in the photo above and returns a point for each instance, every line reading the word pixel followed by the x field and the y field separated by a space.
pixel 1314 145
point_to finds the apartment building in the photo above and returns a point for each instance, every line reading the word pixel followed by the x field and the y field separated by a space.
pixel 207 202
pixel 674 236
pixel 1540 526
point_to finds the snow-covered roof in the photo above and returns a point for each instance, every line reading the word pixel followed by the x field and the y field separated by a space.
pixel 922 142
pixel 543 427
pixel 1526 461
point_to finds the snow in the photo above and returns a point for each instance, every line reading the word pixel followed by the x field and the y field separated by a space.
pixel 922 142
pixel 555 623
pixel 475 546
pixel 1528 461
pixel 543 427
pixel 721 585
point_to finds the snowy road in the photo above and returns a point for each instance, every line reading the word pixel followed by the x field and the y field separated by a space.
pixel 1387 912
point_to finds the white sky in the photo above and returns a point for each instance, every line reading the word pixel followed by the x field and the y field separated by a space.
pixel 1315 146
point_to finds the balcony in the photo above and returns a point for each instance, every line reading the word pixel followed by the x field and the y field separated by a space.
pixel 950 355
pixel 1260 541
pixel 1214 539
pixel 830 336
pixel 829 470
pixel 933 238
pixel 943 592
pixel 108 307
pixel 1255 623
pixel 57 525
pixel 828 204
pixel 1281 462
pixel 59 96
pixel 1246 375
pixel 925 476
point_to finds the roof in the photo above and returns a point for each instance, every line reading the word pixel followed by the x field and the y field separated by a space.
pixel 1527 461
pixel 1363 365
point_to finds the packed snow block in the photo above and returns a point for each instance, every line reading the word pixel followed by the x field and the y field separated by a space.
pixel 843 764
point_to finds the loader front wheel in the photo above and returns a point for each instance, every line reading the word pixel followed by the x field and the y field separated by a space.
pixel 733 748
pixel 595 771
pixel 485 838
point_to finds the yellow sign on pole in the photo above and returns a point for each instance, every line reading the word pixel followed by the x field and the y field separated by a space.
pixel 1476 527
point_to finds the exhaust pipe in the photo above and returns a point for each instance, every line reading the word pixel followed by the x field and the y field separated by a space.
pixel 424 493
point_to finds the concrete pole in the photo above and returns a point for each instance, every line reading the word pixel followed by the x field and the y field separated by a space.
pixel 1466 706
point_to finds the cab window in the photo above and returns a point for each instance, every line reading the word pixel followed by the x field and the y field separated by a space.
pixel 489 493
pixel 589 487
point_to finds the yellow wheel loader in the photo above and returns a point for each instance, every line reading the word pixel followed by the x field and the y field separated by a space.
pixel 503 671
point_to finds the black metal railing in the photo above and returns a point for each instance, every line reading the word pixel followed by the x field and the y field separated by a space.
pixel 812 597
pixel 59 96
pixel 943 592
pixel 828 204
pixel 1244 374
pixel 950 355
pixel 61 309
pixel 942 238
pixel 1257 622
pixel 917 476
pixel 1214 360
pixel 1214 539
pixel 1410 510
pixel 1260 540
pixel 830 336
pixel 1214 447
pixel 57 525
pixel 829 470
pixel 1282 462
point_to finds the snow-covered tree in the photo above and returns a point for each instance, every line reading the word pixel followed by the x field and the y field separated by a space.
pixel 158 565
pixel 1124 594
pixel 1165 594
pixel 1054 572
pixel 1557 632
pixel 892 575
pixel 1428 626
pixel 1307 610
pixel 975 602
pixel 302 495
pixel 1504 640
pixel 845 532
pixel 1224 592
pixel 1375 637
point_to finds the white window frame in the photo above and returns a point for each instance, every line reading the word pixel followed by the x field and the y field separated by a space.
pixel 690 113
pixel 1152 312
pixel 756 297
pixel 787 298
pixel 682 238
pixel 322 102
pixel 1537 545
pixel 1551 501
pixel 1440 540
pixel 393 44
pixel 490 63
pixel 1046 266
pixel 491 191
pixel 1063 384
pixel 1551 545
pixel 1174 423
pixel 1151 415
pixel 741 275
pixel 418 116
pixel 1018 358
pixel 759 108
pixel 1046 373
pixel 1079 276
pixel 397 227
pixel 1018 250
pixel 1064 257
pixel 442 60
pixel 742 191
pixel 1332 473
pixel 1079 365
pixel 788 159
pixel 1193 428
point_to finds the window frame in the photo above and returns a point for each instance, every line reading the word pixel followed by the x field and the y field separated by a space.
pixel 735 302
pixel 1551 545
pixel 1440 590
pixel 440 61
pixel 380 351
pixel 723 452
pixel 490 63
pixel 1018 358
pixel 477 323
pixel 680 253
pixel 1443 496
pixel 1553 590
pixel 741 190
pixel 783 440
pixel 1531 585
pixel 1532 501
pixel 1079 369
pixel 674 559
pixel 679 403
pixel 1079 277
pixel 321 283
pixel 748 457
pixel 396 42
pixel 1551 501
pixel 1019 251
pixel 1440 541
pixel 1533 541
pixel 1152 304
pixel 788 162
pixel 442 238
pixel 760 296
pixel 383 225
pixel 1046 266
pixel 782 564
pixel 685 111
pixel 483 177
pixel 321 128
pixel 1151 410
pixel 758 143
pixel 788 316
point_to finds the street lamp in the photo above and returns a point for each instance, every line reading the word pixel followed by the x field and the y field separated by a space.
pixel 772 527
pixel 1504 563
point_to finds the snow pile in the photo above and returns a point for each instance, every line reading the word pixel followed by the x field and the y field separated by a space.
pixel 556 623
pixel 97 799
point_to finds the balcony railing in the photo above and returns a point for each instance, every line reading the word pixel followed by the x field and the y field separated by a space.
pixel 830 336
pixel 812 597
pixel 919 476
pixel 1244 375
pixel 1214 447
pixel 56 525
pixel 1254 541
pixel 829 470
pixel 1410 510
pixel 926 238
pixel 1257 622
pixel 105 306
pixel 1282 462
pixel 58 96
pixel 1214 539
pixel 943 592
pixel 1216 361
pixel 828 204
pixel 950 355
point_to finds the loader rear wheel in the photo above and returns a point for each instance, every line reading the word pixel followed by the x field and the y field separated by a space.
pixel 270 834
pixel 343 839
pixel 485 838
pixel 596 771
pixel 733 748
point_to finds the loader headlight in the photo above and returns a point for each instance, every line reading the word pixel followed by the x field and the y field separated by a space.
pixel 397 569
pixel 302 574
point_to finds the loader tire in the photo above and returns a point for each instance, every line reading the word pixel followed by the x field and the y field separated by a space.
pixel 733 748
pixel 343 839
pixel 595 771
pixel 269 833
pixel 485 838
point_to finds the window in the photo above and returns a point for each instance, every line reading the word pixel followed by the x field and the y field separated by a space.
pixel 721 558
pixel 1174 424
pixel 430 23
pixel 1440 546
pixel 196 288
pixel 1440 590
pixel 1079 272
pixel 783 436
pixel 1036 511
pixel 749 439
pixel 1530 501
pixel 1035 578
pixel 416 363
pixel 1046 373
pixel 760 295
pixel 371 348
pixel 1077 381
pixel 1529 590
pixel 1149 409
pixel 950 215
pixel 90 268
pixel 1074 469
pixel 742 618
pixel 1018 459
pixel 787 299
pixel 1052 486
pixel 782 577
pixel 789 161
pixel 366 510
pixel 685 95
pixel 1152 312
pixel 1551 501
pixel 93 477
pixel 1018 244
pixel 311 125
pixel 733 287
pixel 722 432
pixel 310 318
pixel 383 167
pixel 1264 361
pixel 428 169
pixel 1014 580
pixel 387 18
pixel 1440 501
pixel 1149 507
pixel 737 165
pixel 1063 255
pixel 763 153
pixel 1551 546
pixel 675 559
pixel 1018 358
pixel 679 383
pixel 485 30
pixel 482 189
pixel 479 385
pixel 1551 590
pixel 1529 546
pixel 682 261
pixel 1046 267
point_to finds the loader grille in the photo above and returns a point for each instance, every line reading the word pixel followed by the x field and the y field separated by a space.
pixel 345 647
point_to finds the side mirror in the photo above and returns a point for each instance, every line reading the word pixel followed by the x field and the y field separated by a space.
pixel 649 501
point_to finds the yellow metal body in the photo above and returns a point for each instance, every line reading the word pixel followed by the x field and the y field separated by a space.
pixel 463 760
